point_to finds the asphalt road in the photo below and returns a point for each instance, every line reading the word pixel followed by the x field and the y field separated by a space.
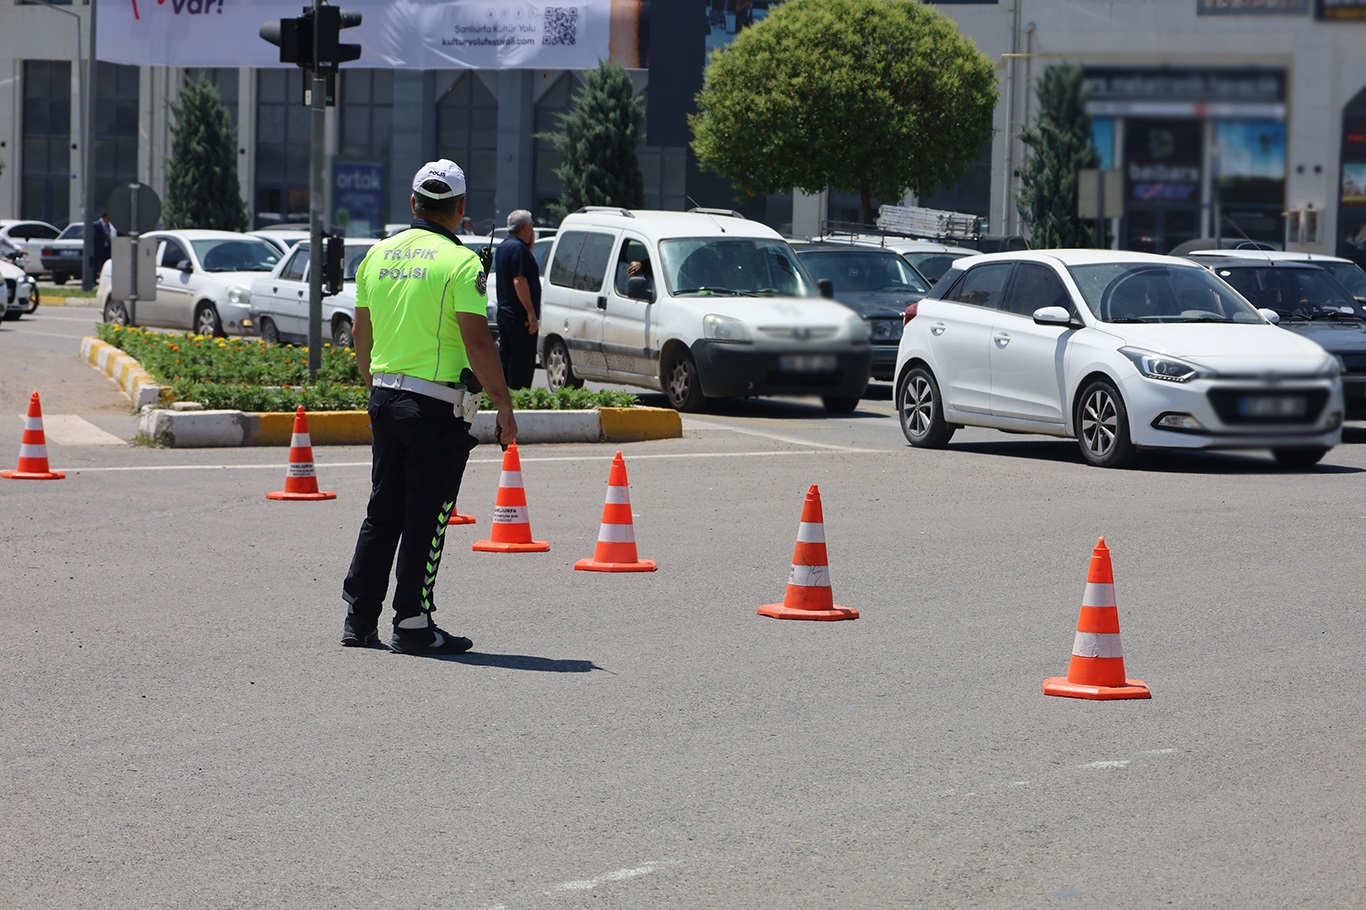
pixel 181 728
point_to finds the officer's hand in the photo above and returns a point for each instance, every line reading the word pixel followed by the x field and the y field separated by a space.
pixel 505 426
pixel 532 325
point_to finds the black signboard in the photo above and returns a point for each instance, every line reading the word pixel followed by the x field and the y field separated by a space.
pixel 1340 10
pixel 1163 160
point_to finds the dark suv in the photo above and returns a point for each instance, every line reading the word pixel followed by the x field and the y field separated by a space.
pixel 1309 302
pixel 876 283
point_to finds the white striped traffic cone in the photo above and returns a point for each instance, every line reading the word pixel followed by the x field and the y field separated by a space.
pixel 33 448
pixel 616 549
pixel 301 481
pixel 808 585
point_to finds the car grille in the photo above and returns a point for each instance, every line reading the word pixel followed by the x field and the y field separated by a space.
pixel 1227 403
pixel 1354 363
pixel 785 333
pixel 12 286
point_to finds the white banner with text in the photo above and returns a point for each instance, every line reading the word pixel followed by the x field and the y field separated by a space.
pixel 393 34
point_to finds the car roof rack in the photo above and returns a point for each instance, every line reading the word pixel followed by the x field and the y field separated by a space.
pixel 613 209
pixel 725 213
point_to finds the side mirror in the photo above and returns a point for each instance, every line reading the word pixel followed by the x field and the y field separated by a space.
pixel 184 266
pixel 1053 315
pixel 1270 316
pixel 638 288
pixel 826 288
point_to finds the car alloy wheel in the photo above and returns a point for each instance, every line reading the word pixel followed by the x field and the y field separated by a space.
pixel 269 333
pixel 342 335
pixel 681 383
pixel 1103 427
pixel 559 370
pixel 206 320
pixel 115 313
pixel 921 410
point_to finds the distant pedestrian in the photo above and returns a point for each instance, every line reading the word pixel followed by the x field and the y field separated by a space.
pixel 519 301
pixel 104 240
pixel 466 227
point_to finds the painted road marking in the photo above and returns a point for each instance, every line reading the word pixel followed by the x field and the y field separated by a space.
pixel 791 440
pixel 73 430
pixel 617 876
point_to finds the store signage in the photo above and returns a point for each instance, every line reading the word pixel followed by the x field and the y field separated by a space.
pixel 1340 10
pixel 1251 7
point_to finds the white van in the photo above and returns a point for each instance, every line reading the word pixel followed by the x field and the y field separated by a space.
pixel 702 304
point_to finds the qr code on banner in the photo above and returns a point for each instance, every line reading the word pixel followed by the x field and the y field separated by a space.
pixel 561 25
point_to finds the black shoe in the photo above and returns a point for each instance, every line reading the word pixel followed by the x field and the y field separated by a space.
pixel 355 635
pixel 430 640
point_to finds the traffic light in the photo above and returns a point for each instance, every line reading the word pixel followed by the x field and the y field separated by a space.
pixel 330 50
pixel 294 38
pixel 336 265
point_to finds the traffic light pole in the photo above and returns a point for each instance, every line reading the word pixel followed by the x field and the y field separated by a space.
pixel 317 166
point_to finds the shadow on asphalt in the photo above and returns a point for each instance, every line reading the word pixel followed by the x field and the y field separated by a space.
pixel 1159 462
pixel 514 662
pixel 774 408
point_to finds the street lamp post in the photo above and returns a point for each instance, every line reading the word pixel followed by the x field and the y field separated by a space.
pixel 86 76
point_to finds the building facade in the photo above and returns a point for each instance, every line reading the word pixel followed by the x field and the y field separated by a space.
pixel 1226 118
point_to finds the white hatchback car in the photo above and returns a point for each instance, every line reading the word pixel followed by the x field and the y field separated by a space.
pixel 1118 350
pixel 203 282
pixel 697 305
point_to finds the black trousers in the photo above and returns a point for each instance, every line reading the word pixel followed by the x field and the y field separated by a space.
pixel 516 350
pixel 419 454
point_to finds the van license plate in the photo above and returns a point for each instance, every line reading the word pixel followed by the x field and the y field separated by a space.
pixel 1273 406
pixel 807 363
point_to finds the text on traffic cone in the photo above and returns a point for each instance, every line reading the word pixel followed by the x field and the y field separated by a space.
pixel 511 530
pixel 301 481
pixel 808 585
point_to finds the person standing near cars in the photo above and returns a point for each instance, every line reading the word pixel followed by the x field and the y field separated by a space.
pixel 423 346
pixel 104 240
pixel 519 301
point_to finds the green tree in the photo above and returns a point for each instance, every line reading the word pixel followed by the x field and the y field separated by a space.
pixel 201 173
pixel 1060 145
pixel 875 97
pixel 597 143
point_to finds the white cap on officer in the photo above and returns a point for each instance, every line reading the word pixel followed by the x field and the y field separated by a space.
pixel 445 170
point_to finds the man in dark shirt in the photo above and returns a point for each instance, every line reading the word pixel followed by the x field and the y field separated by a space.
pixel 519 301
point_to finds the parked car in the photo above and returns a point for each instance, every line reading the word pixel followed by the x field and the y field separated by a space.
pixel 930 258
pixel 203 282
pixel 1309 301
pixel 18 291
pixel 1118 350
pixel 279 301
pixel 282 239
pixel 63 257
pixel 1348 273
pixel 878 284
pixel 719 307
pixel 28 236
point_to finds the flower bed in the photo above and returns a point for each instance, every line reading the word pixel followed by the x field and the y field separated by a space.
pixel 245 375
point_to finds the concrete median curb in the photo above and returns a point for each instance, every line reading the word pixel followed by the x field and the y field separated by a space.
pixel 190 426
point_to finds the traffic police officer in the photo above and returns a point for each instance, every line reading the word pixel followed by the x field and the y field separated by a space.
pixel 421 326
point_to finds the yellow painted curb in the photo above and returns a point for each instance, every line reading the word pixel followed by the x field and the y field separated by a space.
pixel 325 428
pixel 637 424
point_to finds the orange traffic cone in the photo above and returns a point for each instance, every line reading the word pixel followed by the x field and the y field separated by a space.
pixel 808 586
pixel 511 532
pixel 300 480
pixel 1097 668
pixel 616 550
pixel 460 518
pixel 33 448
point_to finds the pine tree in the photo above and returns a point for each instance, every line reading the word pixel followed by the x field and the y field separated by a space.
pixel 597 144
pixel 201 173
pixel 1060 145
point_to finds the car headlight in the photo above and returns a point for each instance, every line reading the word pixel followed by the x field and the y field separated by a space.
pixel 885 329
pixel 239 296
pixel 1166 369
pixel 724 328
pixel 858 329
pixel 1334 367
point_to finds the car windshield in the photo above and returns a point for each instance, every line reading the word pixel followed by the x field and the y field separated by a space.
pixel 1348 274
pixel 863 270
pixel 1120 292
pixel 248 254
pixel 1294 293
pixel 739 267
pixel 74 231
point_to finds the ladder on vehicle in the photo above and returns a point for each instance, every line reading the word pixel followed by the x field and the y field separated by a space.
pixel 934 224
